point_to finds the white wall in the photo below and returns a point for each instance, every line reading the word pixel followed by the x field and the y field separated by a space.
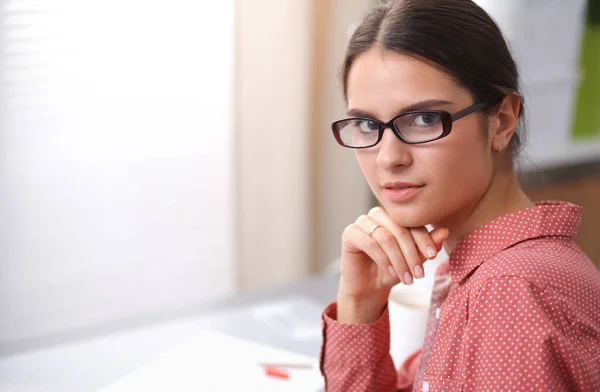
pixel 274 81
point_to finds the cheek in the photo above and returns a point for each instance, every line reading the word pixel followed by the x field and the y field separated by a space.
pixel 461 173
pixel 367 160
pixel 462 163
pixel 463 156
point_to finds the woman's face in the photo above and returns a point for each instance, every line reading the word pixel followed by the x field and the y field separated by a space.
pixel 441 181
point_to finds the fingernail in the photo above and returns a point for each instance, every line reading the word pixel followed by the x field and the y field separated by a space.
pixel 408 278
pixel 392 272
pixel 431 252
pixel 419 273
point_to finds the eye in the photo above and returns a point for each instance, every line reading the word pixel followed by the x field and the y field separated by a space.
pixel 426 119
pixel 367 126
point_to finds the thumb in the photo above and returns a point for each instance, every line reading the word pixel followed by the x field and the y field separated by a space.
pixel 438 236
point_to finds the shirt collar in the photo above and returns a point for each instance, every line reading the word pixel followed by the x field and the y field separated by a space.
pixel 543 219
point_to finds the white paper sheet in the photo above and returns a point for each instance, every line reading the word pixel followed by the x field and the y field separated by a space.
pixel 212 361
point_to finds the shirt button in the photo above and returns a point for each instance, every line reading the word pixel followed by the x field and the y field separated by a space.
pixel 425 386
pixel 437 313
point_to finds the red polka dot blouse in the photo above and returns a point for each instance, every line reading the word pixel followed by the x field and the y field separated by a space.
pixel 515 308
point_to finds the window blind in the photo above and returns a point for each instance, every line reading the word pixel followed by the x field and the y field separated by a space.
pixel 116 161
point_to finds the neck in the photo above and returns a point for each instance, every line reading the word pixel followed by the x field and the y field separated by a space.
pixel 503 196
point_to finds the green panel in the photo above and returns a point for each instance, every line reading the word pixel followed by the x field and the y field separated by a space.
pixel 587 110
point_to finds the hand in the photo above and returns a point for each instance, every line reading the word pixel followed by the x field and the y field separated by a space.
pixel 372 264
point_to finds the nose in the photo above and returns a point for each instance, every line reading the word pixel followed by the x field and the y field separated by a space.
pixel 393 152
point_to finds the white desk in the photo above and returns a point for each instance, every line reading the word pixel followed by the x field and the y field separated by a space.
pixel 94 362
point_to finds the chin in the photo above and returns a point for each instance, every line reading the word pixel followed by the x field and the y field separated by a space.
pixel 409 214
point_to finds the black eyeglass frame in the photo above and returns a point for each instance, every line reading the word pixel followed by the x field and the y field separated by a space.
pixel 447 120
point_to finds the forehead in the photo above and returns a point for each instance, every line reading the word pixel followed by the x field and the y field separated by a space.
pixel 385 81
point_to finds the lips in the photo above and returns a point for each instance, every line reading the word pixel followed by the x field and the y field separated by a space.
pixel 400 185
pixel 401 191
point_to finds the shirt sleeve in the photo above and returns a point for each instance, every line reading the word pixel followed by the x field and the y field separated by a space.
pixel 356 358
pixel 517 338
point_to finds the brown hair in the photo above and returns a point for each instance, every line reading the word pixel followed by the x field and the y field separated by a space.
pixel 457 36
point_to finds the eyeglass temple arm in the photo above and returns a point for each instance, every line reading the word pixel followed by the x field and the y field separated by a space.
pixel 471 109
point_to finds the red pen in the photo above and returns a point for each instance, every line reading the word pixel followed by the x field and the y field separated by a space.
pixel 276 372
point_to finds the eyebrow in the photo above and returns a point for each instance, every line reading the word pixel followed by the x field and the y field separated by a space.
pixel 423 105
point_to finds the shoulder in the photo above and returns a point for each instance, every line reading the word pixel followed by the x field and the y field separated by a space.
pixel 546 262
pixel 551 274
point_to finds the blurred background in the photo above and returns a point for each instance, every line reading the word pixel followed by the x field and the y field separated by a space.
pixel 157 156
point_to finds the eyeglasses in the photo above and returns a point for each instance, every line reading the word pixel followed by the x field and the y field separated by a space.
pixel 415 127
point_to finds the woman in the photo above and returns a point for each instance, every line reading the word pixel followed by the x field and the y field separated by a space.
pixel 435 118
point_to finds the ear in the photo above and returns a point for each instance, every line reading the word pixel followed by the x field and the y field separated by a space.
pixel 503 123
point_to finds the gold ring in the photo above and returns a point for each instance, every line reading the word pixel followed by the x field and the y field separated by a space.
pixel 375 227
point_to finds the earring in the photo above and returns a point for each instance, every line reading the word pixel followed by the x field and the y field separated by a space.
pixel 499 147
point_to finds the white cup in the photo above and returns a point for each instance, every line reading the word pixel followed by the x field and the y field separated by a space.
pixel 407 326
pixel 409 308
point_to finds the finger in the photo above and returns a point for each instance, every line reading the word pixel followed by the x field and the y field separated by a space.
pixel 410 257
pixel 426 248
pixel 388 243
pixel 438 236
pixel 370 228
pixel 424 242
pixel 362 242
pixel 409 249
